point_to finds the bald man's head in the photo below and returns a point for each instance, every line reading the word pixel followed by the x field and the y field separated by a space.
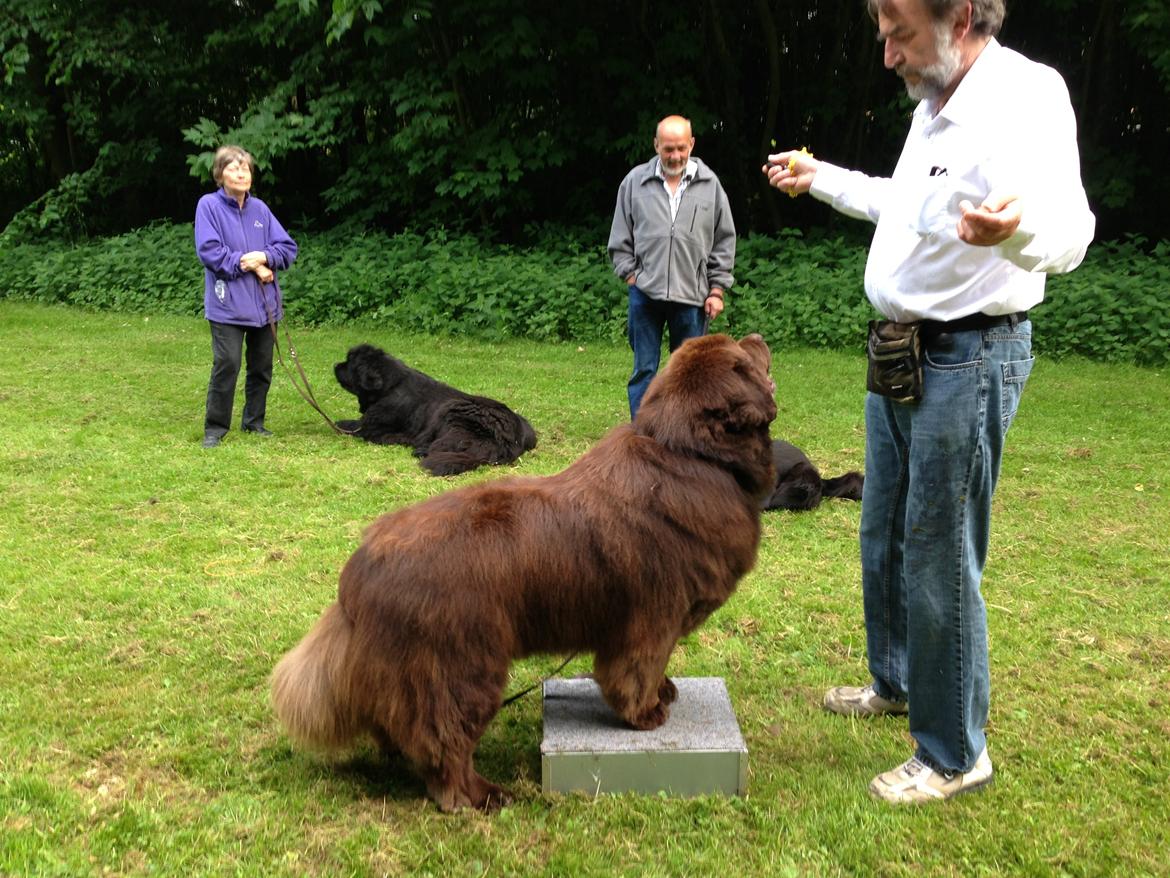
pixel 677 126
pixel 673 143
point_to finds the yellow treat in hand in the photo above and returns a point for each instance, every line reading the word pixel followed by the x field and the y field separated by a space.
pixel 792 166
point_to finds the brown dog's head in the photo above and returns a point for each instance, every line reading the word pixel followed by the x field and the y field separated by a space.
pixel 715 400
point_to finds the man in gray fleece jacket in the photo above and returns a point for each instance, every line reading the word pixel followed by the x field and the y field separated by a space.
pixel 673 242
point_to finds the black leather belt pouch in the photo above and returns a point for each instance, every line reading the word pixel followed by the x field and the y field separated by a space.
pixel 895 360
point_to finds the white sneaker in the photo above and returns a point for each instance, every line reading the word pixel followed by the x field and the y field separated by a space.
pixel 913 782
pixel 861 701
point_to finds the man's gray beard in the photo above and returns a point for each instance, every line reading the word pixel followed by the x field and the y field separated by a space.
pixel 934 79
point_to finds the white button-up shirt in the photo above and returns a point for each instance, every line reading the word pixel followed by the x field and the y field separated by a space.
pixel 676 195
pixel 1008 127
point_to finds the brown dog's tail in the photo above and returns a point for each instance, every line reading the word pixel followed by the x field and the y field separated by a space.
pixel 307 685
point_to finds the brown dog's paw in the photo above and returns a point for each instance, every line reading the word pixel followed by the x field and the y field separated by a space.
pixel 481 793
pixel 452 796
pixel 667 692
pixel 495 799
pixel 652 718
pixel 486 797
pixel 449 799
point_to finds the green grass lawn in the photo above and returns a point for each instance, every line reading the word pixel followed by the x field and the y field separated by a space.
pixel 148 586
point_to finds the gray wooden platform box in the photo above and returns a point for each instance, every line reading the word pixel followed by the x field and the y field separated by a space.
pixel 586 748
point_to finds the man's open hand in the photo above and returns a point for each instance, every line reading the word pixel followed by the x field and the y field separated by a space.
pixel 992 222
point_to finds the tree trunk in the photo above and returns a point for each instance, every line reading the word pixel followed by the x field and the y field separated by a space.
pixel 55 142
pixel 771 106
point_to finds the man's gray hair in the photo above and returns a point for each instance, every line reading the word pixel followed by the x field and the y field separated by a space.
pixel 986 15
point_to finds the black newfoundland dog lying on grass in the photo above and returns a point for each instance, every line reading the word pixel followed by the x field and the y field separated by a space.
pixel 449 430
pixel 799 484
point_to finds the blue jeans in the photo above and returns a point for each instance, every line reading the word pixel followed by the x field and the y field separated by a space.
pixel 930 471
pixel 645 323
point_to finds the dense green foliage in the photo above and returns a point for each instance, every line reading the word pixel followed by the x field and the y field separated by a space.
pixel 1114 307
pixel 488 115
pixel 795 289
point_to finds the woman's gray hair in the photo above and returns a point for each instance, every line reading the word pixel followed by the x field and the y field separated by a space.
pixel 225 155
pixel 986 15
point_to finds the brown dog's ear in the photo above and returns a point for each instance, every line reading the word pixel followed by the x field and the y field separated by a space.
pixel 714 396
pixel 748 414
pixel 750 411
pixel 758 350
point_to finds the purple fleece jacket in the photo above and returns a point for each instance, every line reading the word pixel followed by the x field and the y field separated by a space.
pixel 223 233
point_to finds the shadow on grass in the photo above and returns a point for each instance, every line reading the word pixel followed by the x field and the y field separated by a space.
pixel 508 754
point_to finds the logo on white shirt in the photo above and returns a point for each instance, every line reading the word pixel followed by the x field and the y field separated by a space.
pixel 258 224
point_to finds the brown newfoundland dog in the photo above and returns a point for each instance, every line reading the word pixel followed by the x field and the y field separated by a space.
pixel 628 549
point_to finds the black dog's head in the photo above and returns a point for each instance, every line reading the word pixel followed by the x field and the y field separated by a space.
pixel 798 482
pixel 369 373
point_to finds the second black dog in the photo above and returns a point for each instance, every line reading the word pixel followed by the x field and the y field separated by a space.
pixel 449 430
pixel 799 484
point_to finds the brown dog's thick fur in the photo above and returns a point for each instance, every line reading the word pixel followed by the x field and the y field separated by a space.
pixel 628 549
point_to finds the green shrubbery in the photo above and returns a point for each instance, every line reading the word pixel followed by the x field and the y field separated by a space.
pixel 794 289
pixel 1115 307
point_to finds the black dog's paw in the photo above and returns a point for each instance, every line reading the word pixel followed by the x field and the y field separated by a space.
pixel 351 427
pixel 442 463
pixel 445 468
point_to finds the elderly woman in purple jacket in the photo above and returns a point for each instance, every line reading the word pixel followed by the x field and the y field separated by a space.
pixel 242 246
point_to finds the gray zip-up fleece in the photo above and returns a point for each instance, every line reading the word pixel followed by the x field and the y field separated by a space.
pixel 676 261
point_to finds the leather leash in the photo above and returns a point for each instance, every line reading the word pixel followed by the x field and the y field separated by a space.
pixel 307 391
pixel 540 682
pixel 307 394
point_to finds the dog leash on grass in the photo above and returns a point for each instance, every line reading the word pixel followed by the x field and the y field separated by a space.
pixel 307 391
pixel 540 682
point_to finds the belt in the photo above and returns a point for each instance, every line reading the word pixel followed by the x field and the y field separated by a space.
pixel 972 321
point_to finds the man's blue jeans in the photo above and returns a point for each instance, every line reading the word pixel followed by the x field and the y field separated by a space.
pixel 645 322
pixel 930 471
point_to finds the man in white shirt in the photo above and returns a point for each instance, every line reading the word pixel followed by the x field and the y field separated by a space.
pixel 986 199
